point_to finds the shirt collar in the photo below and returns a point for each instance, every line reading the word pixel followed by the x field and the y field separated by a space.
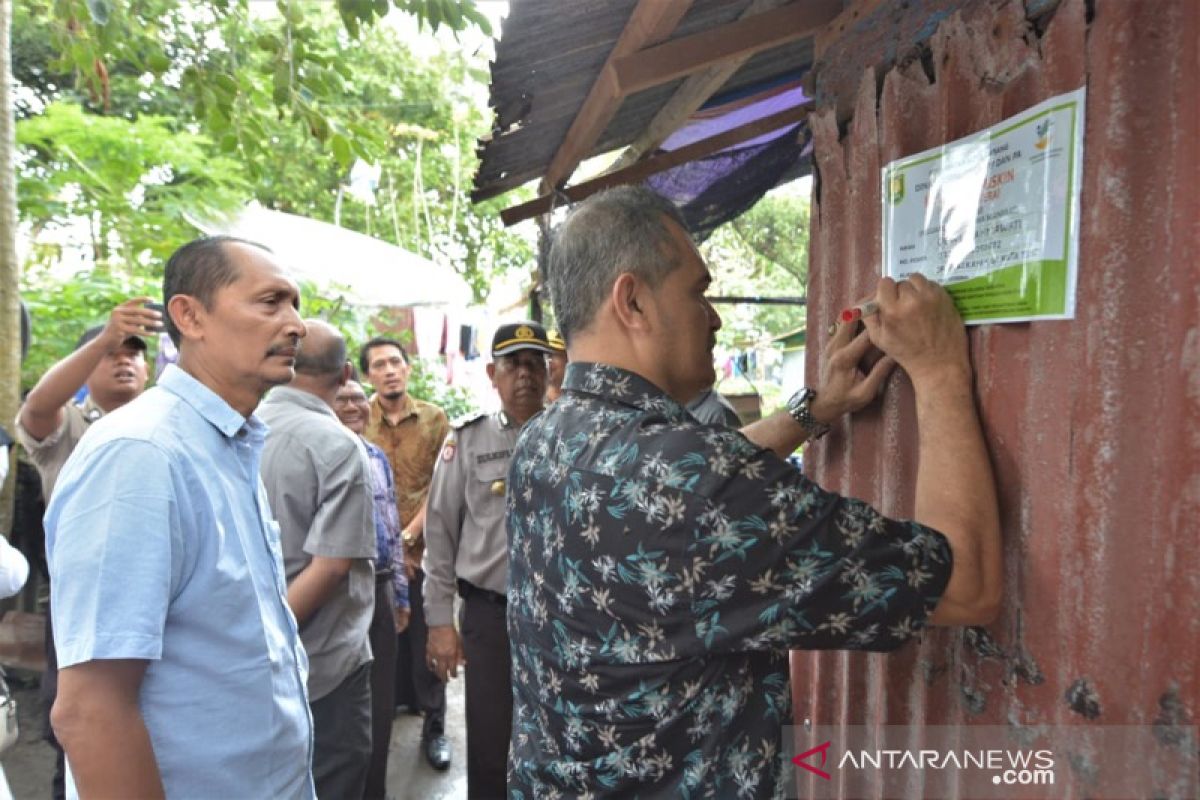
pixel 207 403
pixel 299 397
pixel 615 384
pixel 407 409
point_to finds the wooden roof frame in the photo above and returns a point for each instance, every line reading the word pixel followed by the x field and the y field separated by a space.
pixel 651 22
pixel 643 169
pixel 638 62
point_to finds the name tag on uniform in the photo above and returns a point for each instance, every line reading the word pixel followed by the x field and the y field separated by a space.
pixel 484 458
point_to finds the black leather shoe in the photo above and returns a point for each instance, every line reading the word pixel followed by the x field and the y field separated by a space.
pixel 437 752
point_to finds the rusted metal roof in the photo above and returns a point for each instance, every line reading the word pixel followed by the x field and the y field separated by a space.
pixel 1093 424
pixel 549 55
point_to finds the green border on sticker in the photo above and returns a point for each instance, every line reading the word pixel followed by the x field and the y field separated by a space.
pixel 1034 288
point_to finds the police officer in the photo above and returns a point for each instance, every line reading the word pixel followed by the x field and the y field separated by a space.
pixel 466 550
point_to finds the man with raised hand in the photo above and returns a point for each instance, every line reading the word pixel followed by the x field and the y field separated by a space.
pixel 110 360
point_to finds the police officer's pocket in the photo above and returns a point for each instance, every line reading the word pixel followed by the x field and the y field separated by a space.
pixel 493 479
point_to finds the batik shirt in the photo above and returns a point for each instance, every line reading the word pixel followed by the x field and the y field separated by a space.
pixel 389 546
pixel 660 570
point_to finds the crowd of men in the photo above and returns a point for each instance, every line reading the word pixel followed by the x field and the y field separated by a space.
pixel 254 563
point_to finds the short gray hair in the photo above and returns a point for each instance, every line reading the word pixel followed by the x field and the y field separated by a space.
pixel 624 229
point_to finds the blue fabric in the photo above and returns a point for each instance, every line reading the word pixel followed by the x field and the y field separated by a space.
pixel 388 542
pixel 162 547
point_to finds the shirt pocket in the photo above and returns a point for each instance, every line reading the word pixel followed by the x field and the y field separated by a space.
pixel 491 483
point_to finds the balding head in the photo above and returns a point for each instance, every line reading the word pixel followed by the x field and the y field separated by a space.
pixel 322 356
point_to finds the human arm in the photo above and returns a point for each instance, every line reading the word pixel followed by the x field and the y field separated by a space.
pixel 41 413
pixel 414 541
pixel 97 720
pixel 315 584
pixel 322 482
pixel 918 325
pixel 402 606
pixel 14 569
pixel 443 652
pixel 444 512
pixel 844 387
pixel 115 548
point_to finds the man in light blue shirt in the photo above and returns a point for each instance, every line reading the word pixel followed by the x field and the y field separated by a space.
pixel 182 672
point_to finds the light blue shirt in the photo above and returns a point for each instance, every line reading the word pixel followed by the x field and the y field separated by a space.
pixel 162 547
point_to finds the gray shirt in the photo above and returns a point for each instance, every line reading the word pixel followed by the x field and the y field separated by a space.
pixel 464 520
pixel 316 475
pixel 711 408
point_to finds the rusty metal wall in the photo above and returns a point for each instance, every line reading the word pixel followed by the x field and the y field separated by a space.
pixel 1093 424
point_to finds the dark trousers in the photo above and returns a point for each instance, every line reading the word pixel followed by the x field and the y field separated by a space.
pixel 414 680
pixel 342 737
pixel 383 687
pixel 489 694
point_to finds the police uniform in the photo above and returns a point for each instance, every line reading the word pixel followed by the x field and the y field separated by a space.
pixel 466 552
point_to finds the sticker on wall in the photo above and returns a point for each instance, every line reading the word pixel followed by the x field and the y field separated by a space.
pixel 994 217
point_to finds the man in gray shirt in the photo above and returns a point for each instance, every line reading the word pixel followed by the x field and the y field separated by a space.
pixel 466 549
pixel 316 475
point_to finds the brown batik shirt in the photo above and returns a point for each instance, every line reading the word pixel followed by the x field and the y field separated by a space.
pixel 412 446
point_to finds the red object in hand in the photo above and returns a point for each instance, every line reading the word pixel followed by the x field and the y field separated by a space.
pixel 854 313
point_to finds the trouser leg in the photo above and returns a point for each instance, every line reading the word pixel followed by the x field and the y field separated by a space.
pixel 383 668
pixel 342 737
pixel 489 697
pixel 430 692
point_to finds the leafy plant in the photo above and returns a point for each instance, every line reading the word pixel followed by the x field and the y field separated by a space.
pixel 425 384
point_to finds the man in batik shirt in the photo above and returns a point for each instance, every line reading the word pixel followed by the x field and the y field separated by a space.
pixel 661 569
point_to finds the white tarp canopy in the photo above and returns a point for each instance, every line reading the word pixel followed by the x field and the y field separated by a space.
pixel 368 271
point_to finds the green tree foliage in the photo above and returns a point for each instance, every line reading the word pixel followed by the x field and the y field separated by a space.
pixel 131 181
pixel 425 384
pixel 293 99
pixel 763 253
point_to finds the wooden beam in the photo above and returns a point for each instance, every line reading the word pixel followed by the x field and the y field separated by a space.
pixel 651 22
pixel 687 99
pixel 651 166
pixel 745 37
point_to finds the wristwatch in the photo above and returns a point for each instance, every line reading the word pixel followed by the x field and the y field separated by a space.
pixel 799 406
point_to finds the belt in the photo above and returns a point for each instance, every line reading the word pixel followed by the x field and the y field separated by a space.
pixel 383 575
pixel 468 590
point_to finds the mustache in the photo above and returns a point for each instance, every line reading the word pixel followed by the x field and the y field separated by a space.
pixel 288 348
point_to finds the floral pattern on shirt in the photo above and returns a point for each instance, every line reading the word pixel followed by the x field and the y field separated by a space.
pixel 389 546
pixel 659 572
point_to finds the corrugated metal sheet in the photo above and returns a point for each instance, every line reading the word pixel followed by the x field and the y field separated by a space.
pixel 1093 424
